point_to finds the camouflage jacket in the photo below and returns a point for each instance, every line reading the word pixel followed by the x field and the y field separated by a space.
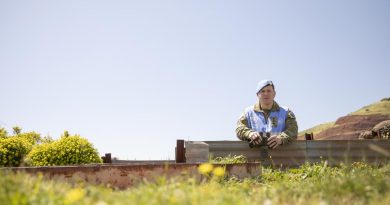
pixel 290 133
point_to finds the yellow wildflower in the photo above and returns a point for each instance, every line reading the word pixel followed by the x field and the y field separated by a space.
pixel 205 168
pixel 219 171
pixel 74 195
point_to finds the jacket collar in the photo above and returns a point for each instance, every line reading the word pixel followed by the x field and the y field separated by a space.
pixel 275 107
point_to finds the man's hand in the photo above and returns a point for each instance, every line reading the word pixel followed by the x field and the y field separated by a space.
pixel 255 138
pixel 274 141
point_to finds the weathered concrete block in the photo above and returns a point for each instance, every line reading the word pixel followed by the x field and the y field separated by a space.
pixel 196 152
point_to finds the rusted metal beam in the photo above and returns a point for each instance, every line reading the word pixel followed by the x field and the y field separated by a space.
pixel 124 176
pixel 180 152
pixel 119 161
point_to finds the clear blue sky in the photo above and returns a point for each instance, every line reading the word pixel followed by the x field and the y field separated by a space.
pixel 134 76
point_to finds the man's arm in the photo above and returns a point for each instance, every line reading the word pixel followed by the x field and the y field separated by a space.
pixel 291 131
pixel 242 129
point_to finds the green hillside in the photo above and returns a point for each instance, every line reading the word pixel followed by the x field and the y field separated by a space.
pixel 381 107
pixel 317 129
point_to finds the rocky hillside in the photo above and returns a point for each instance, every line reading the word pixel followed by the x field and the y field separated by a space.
pixel 350 126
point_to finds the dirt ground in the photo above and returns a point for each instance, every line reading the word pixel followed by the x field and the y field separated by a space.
pixel 349 127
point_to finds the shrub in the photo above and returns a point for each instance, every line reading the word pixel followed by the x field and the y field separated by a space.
pixel 3 133
pixel 68 150
pixel 385 99
pixel 17 130
pixel 47 139
pixel 13 150
pixel 31 137
pixel 230 159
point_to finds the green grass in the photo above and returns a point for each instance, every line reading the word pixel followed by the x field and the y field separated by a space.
pixel 317 129
pixel 229 160
pixel 310 184
pixel 381 107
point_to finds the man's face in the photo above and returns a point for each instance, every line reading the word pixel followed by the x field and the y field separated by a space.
pixel 266 95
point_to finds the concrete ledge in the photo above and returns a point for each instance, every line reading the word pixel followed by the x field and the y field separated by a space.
pixel 297 152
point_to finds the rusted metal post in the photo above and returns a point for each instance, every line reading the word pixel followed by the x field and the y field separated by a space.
pixel 107 158
pixel 309 136
pixel 180 152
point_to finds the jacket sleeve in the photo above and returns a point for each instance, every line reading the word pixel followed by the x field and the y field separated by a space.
pixel 291 131
pixel 242 130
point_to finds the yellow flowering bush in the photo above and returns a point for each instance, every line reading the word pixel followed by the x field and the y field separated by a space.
pixel 68 150
pixel 31 137
pixel 13 150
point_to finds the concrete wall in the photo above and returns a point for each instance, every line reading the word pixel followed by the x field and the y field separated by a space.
pixel 295 153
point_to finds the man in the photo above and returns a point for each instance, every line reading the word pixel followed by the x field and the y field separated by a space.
pixel 267 116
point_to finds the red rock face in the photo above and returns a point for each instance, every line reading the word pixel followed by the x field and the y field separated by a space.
pixel 350 127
